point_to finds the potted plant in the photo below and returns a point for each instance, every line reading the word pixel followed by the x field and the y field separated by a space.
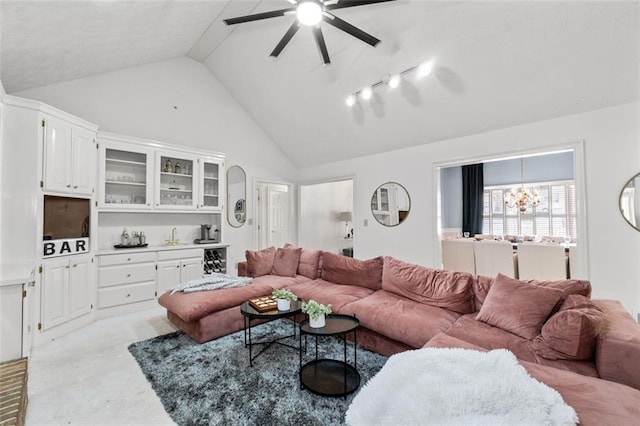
pixel 316 312
pixel 284 298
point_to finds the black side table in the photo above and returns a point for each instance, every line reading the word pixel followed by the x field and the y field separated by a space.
pixel 330 377
pixel 251 314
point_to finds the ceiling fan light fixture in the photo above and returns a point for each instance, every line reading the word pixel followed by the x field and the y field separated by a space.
pixel 350 101
pixel 394 81
pixel 425 68
pixel 309 12
pixel 366 93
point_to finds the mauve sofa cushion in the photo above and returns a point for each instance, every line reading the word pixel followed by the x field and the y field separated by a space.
pixel 326 292
pixel 399 318
pixel 309 265
pixel 260 262
pixel 571 332
pixel 517 307
pixel 444 289
pixel 285 262
pixel 482 285
pixel 349 271
pixel 276 281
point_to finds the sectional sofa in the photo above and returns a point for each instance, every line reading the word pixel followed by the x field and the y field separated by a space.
pixel 589 350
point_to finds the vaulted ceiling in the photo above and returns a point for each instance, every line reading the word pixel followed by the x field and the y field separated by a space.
pixel 497 64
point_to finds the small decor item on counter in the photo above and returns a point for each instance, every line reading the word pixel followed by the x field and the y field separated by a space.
pixel 135 240
pixel 168 166
pixel 177 168
pixel 316 312
pixel 143 238
pixel 124 237
pixel 284 297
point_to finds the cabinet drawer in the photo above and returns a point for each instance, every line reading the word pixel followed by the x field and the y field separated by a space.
pixel 180 254
pixel 122 295
pixel 125 258
pixel 126 274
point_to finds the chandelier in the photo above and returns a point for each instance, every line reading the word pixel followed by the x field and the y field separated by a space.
pixel 523 197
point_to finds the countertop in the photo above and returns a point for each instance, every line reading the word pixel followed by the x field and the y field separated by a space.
pixel 163 247
pixel 15 273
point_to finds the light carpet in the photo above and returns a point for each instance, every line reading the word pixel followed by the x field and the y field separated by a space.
pixel 435 386
pixel 213 384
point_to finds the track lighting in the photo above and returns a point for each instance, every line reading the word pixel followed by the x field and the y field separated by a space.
pixel 422 70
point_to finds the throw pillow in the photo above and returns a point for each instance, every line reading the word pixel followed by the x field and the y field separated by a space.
pixel 285 263
pixel 260 262
pixel 518 307
pixel 346 270
pixel 571 332
pixel 309 265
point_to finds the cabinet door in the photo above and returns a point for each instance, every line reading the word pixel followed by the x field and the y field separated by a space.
pixel 80 287
pixel 55 293
pixel 191 269
pixel 125 176
pixel 211 185
pixel 168 275
pixel 57 155
pixel 176 181
pixel 11 322
pixel 83 173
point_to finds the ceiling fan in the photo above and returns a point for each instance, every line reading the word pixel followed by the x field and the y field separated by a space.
pixel 310 13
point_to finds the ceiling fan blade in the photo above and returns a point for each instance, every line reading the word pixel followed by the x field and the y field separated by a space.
pixel 352 3
pixel 350 29
pixel 317 34
pixel 285 39
pixel 258 16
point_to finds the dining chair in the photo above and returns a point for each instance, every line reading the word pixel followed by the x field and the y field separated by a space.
pixel 493 257
pixel 457 255
pixel 542 261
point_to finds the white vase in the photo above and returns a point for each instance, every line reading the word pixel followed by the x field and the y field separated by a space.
pixel 316 322
pixel 284 304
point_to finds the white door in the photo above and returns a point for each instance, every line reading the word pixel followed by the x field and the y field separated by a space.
pixel 83 161
pixel 191 269
pixel 57 155
pixel 55 293
pixel 168 275
pixel 79 287
pixel 278 213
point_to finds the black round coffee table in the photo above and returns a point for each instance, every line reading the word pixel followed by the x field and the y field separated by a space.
pixel 331 377
pixel 251 314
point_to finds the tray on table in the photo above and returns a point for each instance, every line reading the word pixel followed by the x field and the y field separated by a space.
pixel 264 303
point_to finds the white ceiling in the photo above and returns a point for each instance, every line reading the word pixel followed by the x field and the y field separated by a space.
pixel 498 64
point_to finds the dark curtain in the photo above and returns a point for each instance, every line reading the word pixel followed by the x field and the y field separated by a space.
pixel 472 198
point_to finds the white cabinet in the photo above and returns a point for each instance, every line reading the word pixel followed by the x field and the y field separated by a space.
pixel 176 181
pixel 69 156
pixel 11 322
pixel 126 278
pixel 211 184
pixel 175 267
pixel 66 290
pixel 125 176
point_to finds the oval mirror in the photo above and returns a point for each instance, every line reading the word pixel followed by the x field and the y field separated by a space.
pixel 630 202
pixel 390 204
pixel 236 196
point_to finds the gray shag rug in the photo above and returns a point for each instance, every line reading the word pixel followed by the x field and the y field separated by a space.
pixel 213 384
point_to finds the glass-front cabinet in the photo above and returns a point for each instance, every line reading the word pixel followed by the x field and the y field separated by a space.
pixel 125 176
pixel 176 181
pixel 211 184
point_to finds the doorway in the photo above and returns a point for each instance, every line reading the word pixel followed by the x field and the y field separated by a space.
pixel 326 216
pixel 274 211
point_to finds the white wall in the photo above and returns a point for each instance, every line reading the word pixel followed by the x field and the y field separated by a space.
pixel 320 205
pixel 612 157
pixel 140 102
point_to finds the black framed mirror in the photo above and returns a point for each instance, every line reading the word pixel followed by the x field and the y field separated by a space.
pixel 629 202
pixel 390 204
pixel 236 196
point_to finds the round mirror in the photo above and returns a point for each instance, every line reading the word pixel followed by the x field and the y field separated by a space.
pixel 236 196
pixel 390 204
pixel 630 202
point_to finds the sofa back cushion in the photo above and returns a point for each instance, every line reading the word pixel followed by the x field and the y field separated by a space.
pixel 440 288
pixel 260 262
pixel 346 270
pixel 309 265
pixel 285 263
pixel 571 332
pixel 517 307
pixel 482 285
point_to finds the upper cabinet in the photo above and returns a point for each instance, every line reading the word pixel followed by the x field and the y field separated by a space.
pixel 138 174
pixel 69 155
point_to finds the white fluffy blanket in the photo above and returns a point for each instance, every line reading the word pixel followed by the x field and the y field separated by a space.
pixel 434 386
pixel 214 281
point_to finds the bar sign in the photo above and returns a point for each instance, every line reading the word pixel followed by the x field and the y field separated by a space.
pixel 65 247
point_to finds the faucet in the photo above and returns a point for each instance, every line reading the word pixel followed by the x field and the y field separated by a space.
pixel 173 240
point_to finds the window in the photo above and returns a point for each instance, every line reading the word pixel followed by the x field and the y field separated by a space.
pixel 554 216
